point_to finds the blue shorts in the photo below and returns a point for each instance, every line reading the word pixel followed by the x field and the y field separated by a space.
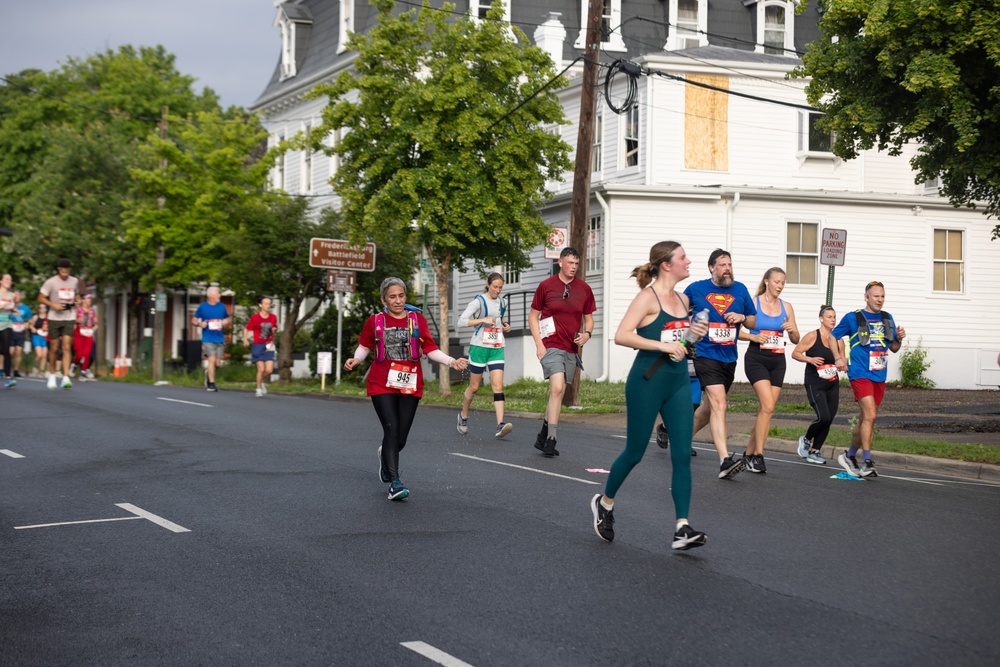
pixel 39 341
pixel 259 352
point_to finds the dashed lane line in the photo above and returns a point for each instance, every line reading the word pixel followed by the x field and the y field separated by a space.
pixel 435 654
pixel 540 472
pixel 176 400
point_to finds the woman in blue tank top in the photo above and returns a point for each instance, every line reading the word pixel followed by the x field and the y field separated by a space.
pixel 764 361
pixel 655 324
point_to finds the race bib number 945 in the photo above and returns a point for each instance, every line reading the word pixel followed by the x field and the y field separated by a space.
pixel 402 377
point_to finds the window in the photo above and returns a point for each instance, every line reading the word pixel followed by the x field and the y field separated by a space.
pixel 775 27
pixel 478 9
pixel 611 22
pixel 932 186
pixel 630 145
pixel 949 265
pixel 346 24
pixel 595 149
pixel 802 258
pixel 287 49
pixel 812 139
pixel 595 245
pixel 305 186
pixel 687 18
pixel 279 166
pixel 334 142
pixel 511 275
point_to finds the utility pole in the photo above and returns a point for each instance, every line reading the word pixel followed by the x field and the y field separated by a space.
pixel 580 211
pixel 159 315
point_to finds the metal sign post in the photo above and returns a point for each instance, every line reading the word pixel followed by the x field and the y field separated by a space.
pixel 832 252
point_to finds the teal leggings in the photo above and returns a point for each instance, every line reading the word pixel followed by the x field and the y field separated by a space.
pixel 668 393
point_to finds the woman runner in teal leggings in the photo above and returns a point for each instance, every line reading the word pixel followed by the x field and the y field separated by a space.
pixel 655 324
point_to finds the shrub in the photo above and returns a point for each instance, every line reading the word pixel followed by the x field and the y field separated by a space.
pixel 913 364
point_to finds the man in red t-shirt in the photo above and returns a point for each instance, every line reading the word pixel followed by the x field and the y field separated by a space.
pixel 556 310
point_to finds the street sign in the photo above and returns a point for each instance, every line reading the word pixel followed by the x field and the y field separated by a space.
pixel 324 363
pixel 341 281
pixel 834 248
pixel 339 254
pixel 426 272
pixel 161 303
pixel 558 238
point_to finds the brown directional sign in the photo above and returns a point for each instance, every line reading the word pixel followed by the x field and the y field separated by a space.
pixel 341 281
pixel 339 254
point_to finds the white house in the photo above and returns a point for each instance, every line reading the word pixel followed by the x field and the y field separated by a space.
pixel 707 157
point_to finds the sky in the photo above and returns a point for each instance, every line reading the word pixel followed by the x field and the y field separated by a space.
pixel 229 46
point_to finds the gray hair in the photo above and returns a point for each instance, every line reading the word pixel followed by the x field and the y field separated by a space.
pixel 213 288
pixel 389 282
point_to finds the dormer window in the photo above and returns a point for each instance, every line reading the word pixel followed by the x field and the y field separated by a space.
pixel 294 22
pixel 775 27
pixel 346 24
pixel 611 26
pixel 478 9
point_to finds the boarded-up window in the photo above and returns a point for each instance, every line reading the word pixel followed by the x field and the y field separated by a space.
pixel 802 254
pixel 949 262
pixel 706 124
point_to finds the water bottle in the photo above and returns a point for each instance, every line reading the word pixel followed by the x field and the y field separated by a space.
pixel 690 338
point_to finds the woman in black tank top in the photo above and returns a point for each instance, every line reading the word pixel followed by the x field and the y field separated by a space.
pixel 821 381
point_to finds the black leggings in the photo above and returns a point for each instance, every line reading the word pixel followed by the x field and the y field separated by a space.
pixel 825 399
pixel 396 412
pixel 6 338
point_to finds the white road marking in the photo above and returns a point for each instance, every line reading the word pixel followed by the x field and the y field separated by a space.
pixel 174 400
pixel 13 455
pixel 435 654
pixel 158 520
pixel 540 472
pixel 128 507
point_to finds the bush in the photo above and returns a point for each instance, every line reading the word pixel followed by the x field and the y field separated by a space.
pixel 913 364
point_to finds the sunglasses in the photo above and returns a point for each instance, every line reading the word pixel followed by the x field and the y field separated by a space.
pixel 565 292
pixel 875 283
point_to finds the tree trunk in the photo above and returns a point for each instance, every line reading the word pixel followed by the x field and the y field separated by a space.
pixel 292 328
pixel 134 324
pixel 441 270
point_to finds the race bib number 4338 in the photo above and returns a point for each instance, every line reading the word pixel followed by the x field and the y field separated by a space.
pixel 721 333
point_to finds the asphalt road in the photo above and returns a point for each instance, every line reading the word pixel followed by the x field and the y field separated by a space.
pixel 222 529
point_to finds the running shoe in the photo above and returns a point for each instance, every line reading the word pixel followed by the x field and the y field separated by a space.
pixel 850 464
pixel 730 467
pixel 66 383
pixel 539 442
pixel 759 463
pixel 604 520
pixel 263 389
pixel 397 491
pixel 687 537
pixel 550 448
pixel 11 382
pixel 463 424
pixel 89 373
pixel 211 387
pixel 17 374
pixel 750 462
pixel 662 439
pixel 868 469
pixel 52 383
pixel 383 473
pixel 503 429
pixel 803 448
pixel 814 457
pixel 260 394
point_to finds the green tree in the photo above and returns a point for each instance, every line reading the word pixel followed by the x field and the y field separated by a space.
pixel 432 144
pixel 893 71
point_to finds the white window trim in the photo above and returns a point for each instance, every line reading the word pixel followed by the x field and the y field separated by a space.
pixel 801 253
pixel 474 5
pixel 615 41
pixel 595 250
pixel 623 152
pixel 789 6
pixel 287 48
pixel 802 141
pixel 597 147
pixel 307 165
pixel 673 40
pixel 278 173
pixel 346 24
pixel 964 262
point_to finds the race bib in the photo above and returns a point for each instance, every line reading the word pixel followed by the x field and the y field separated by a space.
pixel 86 332
pixel 403 377
pixel 547 327
pixel 773 341
pixel 269 347
pixel 674 332
pixel 827 372
pixel 18 327
pixel 722 333
pixel 66 294
pixel 877 360
pixel 6 304
pixel 492 337
pixel 215 325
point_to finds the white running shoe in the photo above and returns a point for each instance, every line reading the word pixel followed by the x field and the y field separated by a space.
pixel 66 383
pixel 803 448
pixel 260 394
pixel 263 388
pixel 52 383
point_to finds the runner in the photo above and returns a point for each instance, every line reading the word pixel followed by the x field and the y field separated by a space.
pixel 212 317
pixel 554 319
pixel 729 307
pixel 399 335
pixel 59 293
pixel 19 325
pixel 485 313
pixel 264 325
pixel 6 330
pixel 40 340
pixel 819 350
pixel 656 324
pixel 872 335
pixel 764 361
pixel 83 336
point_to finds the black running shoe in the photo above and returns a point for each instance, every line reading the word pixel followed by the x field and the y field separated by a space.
pixel 731 467
pixel 750 462
pixel 662 439
pixel 539 442
pixel 383 473
pixel 687 537
pixel 397 491
pixel 550 448
pixel 604 520
pixel 759 461
pixel 868 469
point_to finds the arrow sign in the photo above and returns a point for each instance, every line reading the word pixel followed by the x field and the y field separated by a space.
pixel 340 254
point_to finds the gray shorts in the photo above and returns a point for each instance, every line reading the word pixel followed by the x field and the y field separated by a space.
pixel 560 361
pixel 213 349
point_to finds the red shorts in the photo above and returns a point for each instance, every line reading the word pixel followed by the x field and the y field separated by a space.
pixel 866 387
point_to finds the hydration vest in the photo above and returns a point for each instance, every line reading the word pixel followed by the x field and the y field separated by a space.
pixel 411 320
pixel 864 332
pixel 486 311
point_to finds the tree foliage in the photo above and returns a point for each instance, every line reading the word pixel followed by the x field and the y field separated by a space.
pixel 892 71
